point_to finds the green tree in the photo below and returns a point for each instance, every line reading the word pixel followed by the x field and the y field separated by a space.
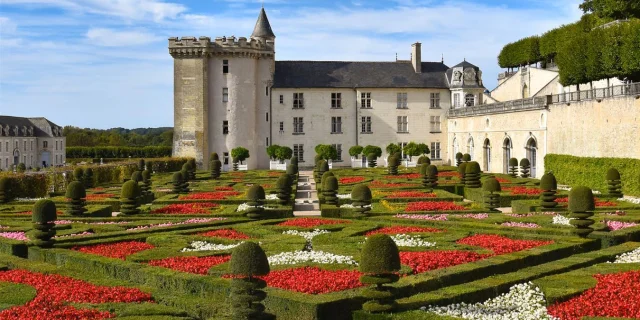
pixel 271 151
pixel 392 148
pixel 372 149
pixel 411 149
pixel 612 9
pixel 284 153
pixel 355 151
pixel 239 154
pixel 326 152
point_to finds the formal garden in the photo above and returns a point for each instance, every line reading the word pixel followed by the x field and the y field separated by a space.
pixel 158 239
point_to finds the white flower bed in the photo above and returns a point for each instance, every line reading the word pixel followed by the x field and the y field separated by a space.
pixel 405 240
pixel 28 199
pixel 569 189
pixel 308 235
pixel 523 302
pixel 629 257
pixel 272 197
pixel 630 199
pixel 561 220
pixel 298 257
pixel 344 196
pixel 208 246
pixel 350 206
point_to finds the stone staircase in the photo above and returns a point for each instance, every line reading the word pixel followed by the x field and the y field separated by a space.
pixel 306 202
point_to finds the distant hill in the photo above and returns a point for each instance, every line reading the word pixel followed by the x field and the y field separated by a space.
pixel 139 137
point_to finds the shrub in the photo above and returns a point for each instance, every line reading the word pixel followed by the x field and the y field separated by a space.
pixel 283 186
pixel 361 199
pixel 466 157
pixel 392 148
pixel 214 156
pixel 78 174
pixel 136 176
pixel 239 154
pixel 176 180
pixel 192 168
pixel 88 178
pixel 21 167
pixel 330 190
pixel 5 194
pixel 614 183
pixel 187 168
pixel 459 156
pixel 472 175
pixel 355 151
pixel 294 160
pixel 372 160
pixel 43 216
pixel 129 198
pixel 248 261
pixel 76 195
pixel 424 159
pixel 379 262
pixel 372 149
pixel 327 152
pixel 462 170
pixel 216 168
pixel 256 197
pixel 292 171
pixel 146 186
pixel 548 185
pixel 525 166
pixel 581 205
pixel 141 165
pixel 492 199
pixel 185 181
pixel 431 177
pixel 393 162
pixel 513 167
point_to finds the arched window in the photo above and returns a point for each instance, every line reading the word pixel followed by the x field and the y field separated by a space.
pixel 470 147
pixel 525 91
pixel 469 100
pixel 456 149
pixel 487 155
pixel 532 154
pixel 506 146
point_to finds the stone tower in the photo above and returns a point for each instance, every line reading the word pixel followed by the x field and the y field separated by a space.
pixel 221 94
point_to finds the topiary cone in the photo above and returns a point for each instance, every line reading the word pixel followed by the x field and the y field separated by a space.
pixel 361 199
pixel 216 168
pixel 256 197
pixel 4 190
pixel 490 187
pixel 549 186
pixel 581 206
pixel 43 216
pixel 248 261
pixel 129 198
pixel 614 183
pixel 472 175
pixel 330 190
pixel 76 195
pixel 283 186
pixel 176 180
pixel 379 262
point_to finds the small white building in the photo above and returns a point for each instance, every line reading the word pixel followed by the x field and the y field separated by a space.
pixel 36 142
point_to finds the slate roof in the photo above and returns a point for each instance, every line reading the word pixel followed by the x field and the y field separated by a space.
pixel 263 27
pixel 344 74
pixel 464 65
pixel 27 122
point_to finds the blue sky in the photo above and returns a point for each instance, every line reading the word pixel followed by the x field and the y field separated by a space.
pixel 104 63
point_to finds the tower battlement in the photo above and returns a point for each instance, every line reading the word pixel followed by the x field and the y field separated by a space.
pixel 203 46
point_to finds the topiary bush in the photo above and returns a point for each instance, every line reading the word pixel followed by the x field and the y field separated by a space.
pixel 88 178
pixel 581 206
pixel 462 171
pixel 149 166
pixel 176 181
pixel 283 186
pixel 472 175
pixel 186 167
pixel 129 198
pixel 146 186
pixel 372 160
pixel 214 156
pixel 330 190
pixel 141 165
pixel 379 263
pixel 432 177
pixel 323 166
pixel 423 160
pixel 78 174
pixel 5 192
pixel 216 168
pixel 466 157
pixel 294 160
pixel 248 262
pixel 458 158
pixel 43 215
pixel 513 167
pixel 361 199
pixel 256 197
pixel 136 176
pixel 491 199
pixel 21 167
pixel 76 195
pixel 614 183
pixel 185 181
pixel 292 171
pixel 423 173
pixel 525 167
pixel 325 176
pixel 192 168
pixel 549 187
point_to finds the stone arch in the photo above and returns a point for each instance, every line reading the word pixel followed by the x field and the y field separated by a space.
pixel 525 91
pixel 507 146
pixel 487 154
pixel 470 146
pixel 456 148
pixel 531 149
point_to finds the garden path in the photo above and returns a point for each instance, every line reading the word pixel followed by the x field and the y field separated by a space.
pixel 306 202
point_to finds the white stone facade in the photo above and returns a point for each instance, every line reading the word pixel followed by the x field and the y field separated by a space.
pixel 36 142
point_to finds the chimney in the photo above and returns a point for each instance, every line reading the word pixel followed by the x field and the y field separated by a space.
pixel 416 57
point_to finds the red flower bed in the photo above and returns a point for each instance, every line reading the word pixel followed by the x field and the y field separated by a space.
pixel 53 291
pixel 411 194
pixel 118 250
pixel 405 176
pixel 350 180
pixel 402 229
pixel 431 260
pixel 313 280
pixel 216 195
pixel 615 295
pixel 379 184
pixel 310 222
pixel 224 188
pixel 522 190
pixel 449 174
pixel 225 233
pixel 503 180
pixel 99 196
pixel 434 206
pixel 197 265
pixel 501 245
pixel 599 202
pixel 274 173
pixel 186 208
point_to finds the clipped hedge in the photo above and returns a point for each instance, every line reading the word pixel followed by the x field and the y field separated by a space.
pixel 118 152
pixel 591 172
pixel 522 52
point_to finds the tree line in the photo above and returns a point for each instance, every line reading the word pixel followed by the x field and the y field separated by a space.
pixel 118 137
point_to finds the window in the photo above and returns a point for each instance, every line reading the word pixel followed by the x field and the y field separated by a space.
pixel 16 145
pixel 336 100
pixel 402 100
pixel 435 123
pixel 298 152
pixel 435 150
pixel 336 124
pixel 225 158
pixel 267 141
pixel 338 148
pixel 56 145
pixel 298 125
pixel 435 100
pixel 298 100
pixel 7 147
pixel 281 99
pixel 24 146
pixel 225 94
pixel 403 125
pixel 365 100
pixel 469 100
pixel 402 145
pixel 366 125
pixel 31 145
pixel 266 91
pixel 281 126
pixel 267 116
pixel 225 127
pixel 456 100
pixel 45 144
pixel 225 66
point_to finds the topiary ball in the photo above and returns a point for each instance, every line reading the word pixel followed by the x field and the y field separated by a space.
pixel 292 169
pixel 472 167
pixel 177 177
pixel 466 157
pixel 284 182
pixel 379 255
pixel 323 166
pixel 491 185
pixel 256 192
pixel 192 163
pixel 361 192
pixel 78 173
pixel 462 169
pixel 513 162
pixel 146 175
pixel 214 156
pixel 44 211
pixel 130 190
pixel 136 176
pixel 88 172
pixel 581 199
pixel 372 156
pixel 140 164
pixel 613 174
pixel 330 184
pixel 76 190
pixel 432 171
pixel 525 162
pixel 294 160
pixel 423 169
pixel 248 260
pixel 4 184
pixel 325 176
pixel 459 156
pixel 548 182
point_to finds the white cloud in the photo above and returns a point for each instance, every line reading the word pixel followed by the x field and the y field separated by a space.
pixel 114 38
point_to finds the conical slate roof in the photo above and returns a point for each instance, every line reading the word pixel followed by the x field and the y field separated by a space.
pixel 263 28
